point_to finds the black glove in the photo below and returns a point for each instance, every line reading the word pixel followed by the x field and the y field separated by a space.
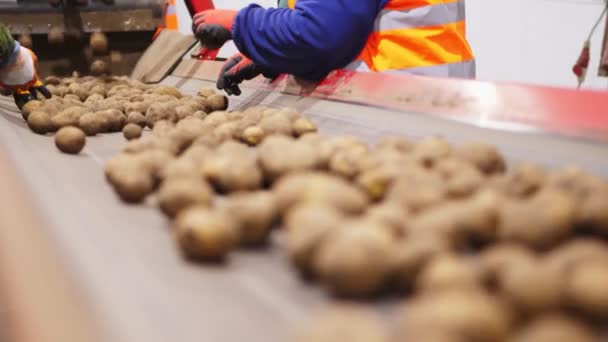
pixel 236 70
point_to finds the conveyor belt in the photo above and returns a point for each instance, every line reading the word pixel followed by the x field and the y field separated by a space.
pixel 124 259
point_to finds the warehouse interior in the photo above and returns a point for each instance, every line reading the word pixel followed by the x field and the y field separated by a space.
pixel 144 200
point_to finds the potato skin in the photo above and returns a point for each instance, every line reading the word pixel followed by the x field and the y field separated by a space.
pixel 555 328
pixel 255 212
pixel 205 234
pixel 177 194
pixel 131 131
pixel 40 122
pixel 70 140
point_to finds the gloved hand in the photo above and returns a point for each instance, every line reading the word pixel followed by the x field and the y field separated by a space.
pixel 237 69
pixel 213 27
pixel 19 75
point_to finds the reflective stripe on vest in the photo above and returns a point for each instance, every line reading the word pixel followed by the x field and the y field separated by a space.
pixel 424 37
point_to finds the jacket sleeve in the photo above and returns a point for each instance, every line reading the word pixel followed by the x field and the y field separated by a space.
pixel 309 41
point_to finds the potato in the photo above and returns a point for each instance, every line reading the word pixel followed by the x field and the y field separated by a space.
pixel 307 226
pixel 375 182
pixel 217 102
pixel 593 212
pixel 166 90
pixel 205 92
pixel 180 168
pixel 355 259
pixel 253 135
pixel 410 256
pixel 177 194
pixel 467 315
pixel 302 126
pixel 226 131
pixel 447 272
pixel 523 181
pixel 275 124
pixel 317 187
pixel 70 140
pixel 136 118
pixel 40 122
pixel 586 289
pixel 347 162
pixel 132 182
pixel 576 252
pixel 417 189
pixel 394 143
pixel 94 97
pixel 29 107
pixel 430 150
pixel 181 112
pixel 162 128
pixel 255 213
pixel 131 131
pixel 233 168
pixel 91 124
pixel 344 322
pixel 280 155
pixel 533 287
pixel 114 119
pixel 99 42
pixel 99 67
pixel 541 221
pixel 99 90
pixel 555 328
pixel 68 117
pixel 140 107
pixel 158 111
pixel 498 259
pixel 205 234
pixel 461 178
pixel 485 157
pixel 391 215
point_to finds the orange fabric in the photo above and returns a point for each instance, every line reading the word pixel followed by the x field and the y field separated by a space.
pixel 171 22
pixel 409 4
pixel 416 47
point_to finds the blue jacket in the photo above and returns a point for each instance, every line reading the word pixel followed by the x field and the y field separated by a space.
pixel 310 41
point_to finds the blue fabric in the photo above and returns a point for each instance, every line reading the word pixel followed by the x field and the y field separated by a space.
pixel 309 41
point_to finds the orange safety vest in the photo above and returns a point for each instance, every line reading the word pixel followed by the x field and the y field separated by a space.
pixel 424 37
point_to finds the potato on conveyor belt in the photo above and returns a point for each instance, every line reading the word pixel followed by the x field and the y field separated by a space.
pixel 206 234
pixel 255 213
pixel 29 107
pixel 485 157
pixel 447 272
pixel 586 289
pixel 280 155
pixel 555 328
pixel 318 187
pixel 179 193
pixel 70 140
pixel 355 259
pixel 496 260
pixel 307 226
pixel 40 122
pixel 233 167
pixel 391 215
pixel 91 123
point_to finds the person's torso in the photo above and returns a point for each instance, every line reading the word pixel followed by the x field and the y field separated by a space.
pixel 425 37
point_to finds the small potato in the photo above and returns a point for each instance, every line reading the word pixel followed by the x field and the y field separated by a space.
pixel 234 167
pixel 158 111
pixel 166 90
pixel 177 194
pixel 344 322
pixel 114 119
pixel 280 155
pixel 40 122
pixel 68 117
pixel 534 287
pixel 91 124
pixel 206 234
pixel 447 272
pixel 467 315
pixel 70 140
pixel 302 126
pixel 29 107
pixel 430 150
pixel 347 162
pixel 139 107
pixel 392 216
pixel 498 259
pixel 217 102
pixel 276 124
pixel 555 328
pixel 99 67
pixel 576 252
pixel 253 135
pixel 593 212
pixel 317 187
pixel 586 289
pixel 523 181
pixel 485 157
pixel 355 259
pixel 461 178
pixel 307 226
pixel 131 131
pixel 99 42
pixel 205 92
pixel 417 189
pixel 540 221
pixel 410 256
pixel 131 181
pixel 255 213
pixel 137 118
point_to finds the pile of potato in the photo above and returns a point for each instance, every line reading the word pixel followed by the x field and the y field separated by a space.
pixel 112 104
pixel 481 253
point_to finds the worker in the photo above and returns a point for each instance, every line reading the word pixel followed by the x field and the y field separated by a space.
pixel 310 38
pixel 18 70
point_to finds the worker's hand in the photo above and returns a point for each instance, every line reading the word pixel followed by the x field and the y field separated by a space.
pixel 213 27
pixel 236 70
pixel 21 78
